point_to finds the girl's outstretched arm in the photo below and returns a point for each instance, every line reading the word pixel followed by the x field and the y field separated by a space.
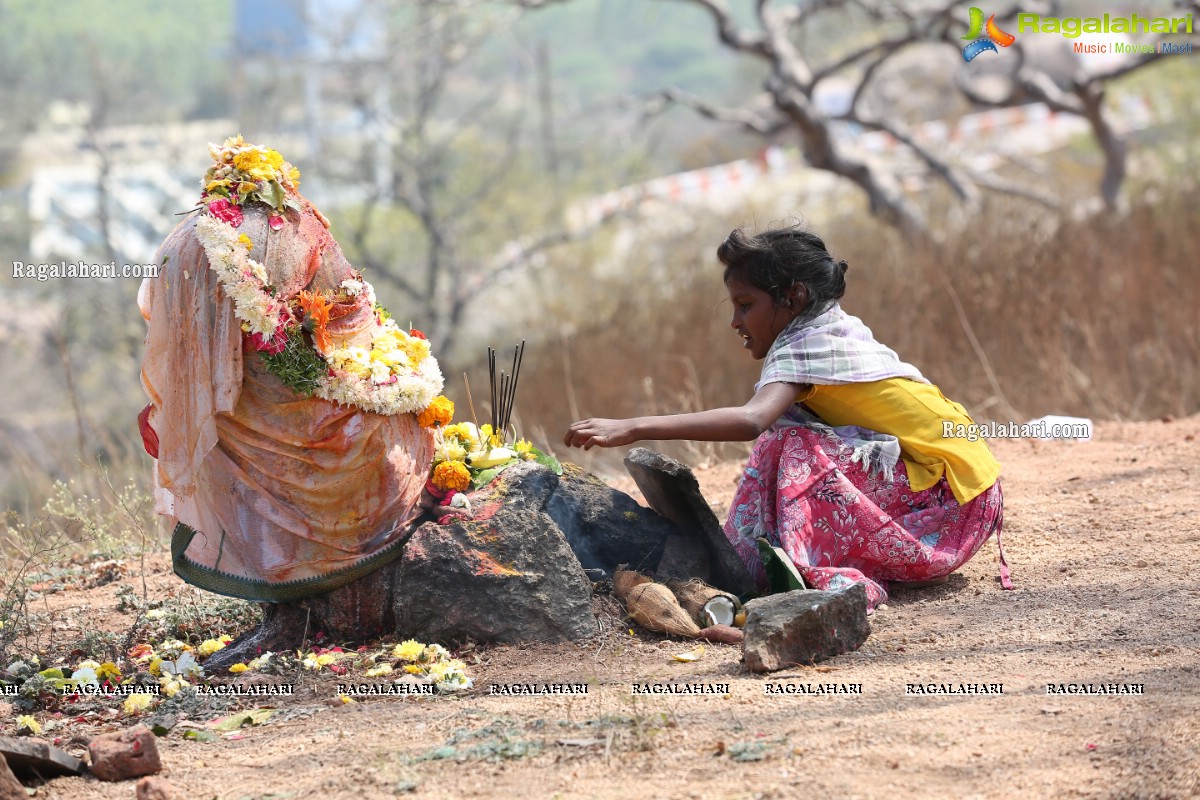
pixel 733 424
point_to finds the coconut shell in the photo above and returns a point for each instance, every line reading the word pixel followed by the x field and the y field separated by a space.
pixel 694 594
pixel 652 606
pixel 721 633
pixel 624 580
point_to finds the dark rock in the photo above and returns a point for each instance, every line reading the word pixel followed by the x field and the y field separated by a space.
pixel 37 757
pixel 152 787
pixel 673 491
pixel 130 753
pixel 10 787
pixel 684 556
pixel 803 627
pixel 506 575
pixel 605 527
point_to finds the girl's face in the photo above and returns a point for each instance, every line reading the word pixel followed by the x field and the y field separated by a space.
pixel 757 317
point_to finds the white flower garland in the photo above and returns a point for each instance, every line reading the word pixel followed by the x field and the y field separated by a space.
pixel 382 378
pixel 243 278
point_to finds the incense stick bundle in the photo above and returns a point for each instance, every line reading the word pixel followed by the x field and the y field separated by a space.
pixel 504 389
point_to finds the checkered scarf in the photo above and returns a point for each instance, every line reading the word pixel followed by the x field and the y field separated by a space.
pixel 836 348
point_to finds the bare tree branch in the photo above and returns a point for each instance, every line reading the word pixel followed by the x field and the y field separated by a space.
pixel 1001 186
pixel 749 118
pixel 728 31
pixel 958 181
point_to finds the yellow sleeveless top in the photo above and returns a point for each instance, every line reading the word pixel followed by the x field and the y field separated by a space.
pixel 913 412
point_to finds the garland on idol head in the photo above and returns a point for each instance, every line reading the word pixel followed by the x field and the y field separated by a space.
pixel 393 374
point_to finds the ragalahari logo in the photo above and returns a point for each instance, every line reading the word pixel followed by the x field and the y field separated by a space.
pixel 992 36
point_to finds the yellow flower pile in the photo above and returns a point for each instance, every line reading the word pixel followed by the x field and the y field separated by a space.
pixel 431 662
pixel 260 163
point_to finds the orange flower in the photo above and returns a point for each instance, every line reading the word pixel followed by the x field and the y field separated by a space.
pixel 316 308
pixel 438 413
pixel 451 475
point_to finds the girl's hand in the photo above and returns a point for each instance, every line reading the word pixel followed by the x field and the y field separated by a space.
pixel 591 433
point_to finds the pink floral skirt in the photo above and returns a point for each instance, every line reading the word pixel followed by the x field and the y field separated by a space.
pixel 803 491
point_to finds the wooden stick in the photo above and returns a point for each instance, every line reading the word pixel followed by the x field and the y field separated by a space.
pixel 471 401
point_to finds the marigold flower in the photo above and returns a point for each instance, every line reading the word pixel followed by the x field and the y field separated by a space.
pixel 408 651
pixel 209 646
pixel 382 669
pixel 27 722
pixel 259 163
pixel 108 671
pixel 451 475
pixel 438 413
pixel 137 703
pixel 245 242
pixel 236 668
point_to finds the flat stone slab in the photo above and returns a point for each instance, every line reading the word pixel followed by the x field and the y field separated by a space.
pixel 803 627
pixel 37 757
pixel 673 491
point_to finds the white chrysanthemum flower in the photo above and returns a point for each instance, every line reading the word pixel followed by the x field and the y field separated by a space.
pixel 259 271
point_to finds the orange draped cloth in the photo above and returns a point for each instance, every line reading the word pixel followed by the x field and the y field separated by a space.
pixel 275 496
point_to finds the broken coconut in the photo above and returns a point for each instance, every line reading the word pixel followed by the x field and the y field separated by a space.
pixel 706 605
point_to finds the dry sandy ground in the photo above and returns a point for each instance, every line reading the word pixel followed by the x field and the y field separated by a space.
pixel 1103 542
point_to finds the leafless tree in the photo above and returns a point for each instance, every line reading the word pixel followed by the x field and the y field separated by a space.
pixel 787 105
pixel 1083 95
pixel 433 156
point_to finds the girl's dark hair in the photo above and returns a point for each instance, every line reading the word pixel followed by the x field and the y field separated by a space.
pixel 778 259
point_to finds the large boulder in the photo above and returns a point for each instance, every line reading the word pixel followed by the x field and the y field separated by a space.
pixel 505 575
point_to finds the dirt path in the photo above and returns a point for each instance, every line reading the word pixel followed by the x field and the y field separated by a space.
pixel 1104 542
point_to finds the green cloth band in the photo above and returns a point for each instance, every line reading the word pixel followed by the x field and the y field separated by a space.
pixel 260 591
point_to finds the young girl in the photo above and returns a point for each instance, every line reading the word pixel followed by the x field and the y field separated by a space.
pixel 850 473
